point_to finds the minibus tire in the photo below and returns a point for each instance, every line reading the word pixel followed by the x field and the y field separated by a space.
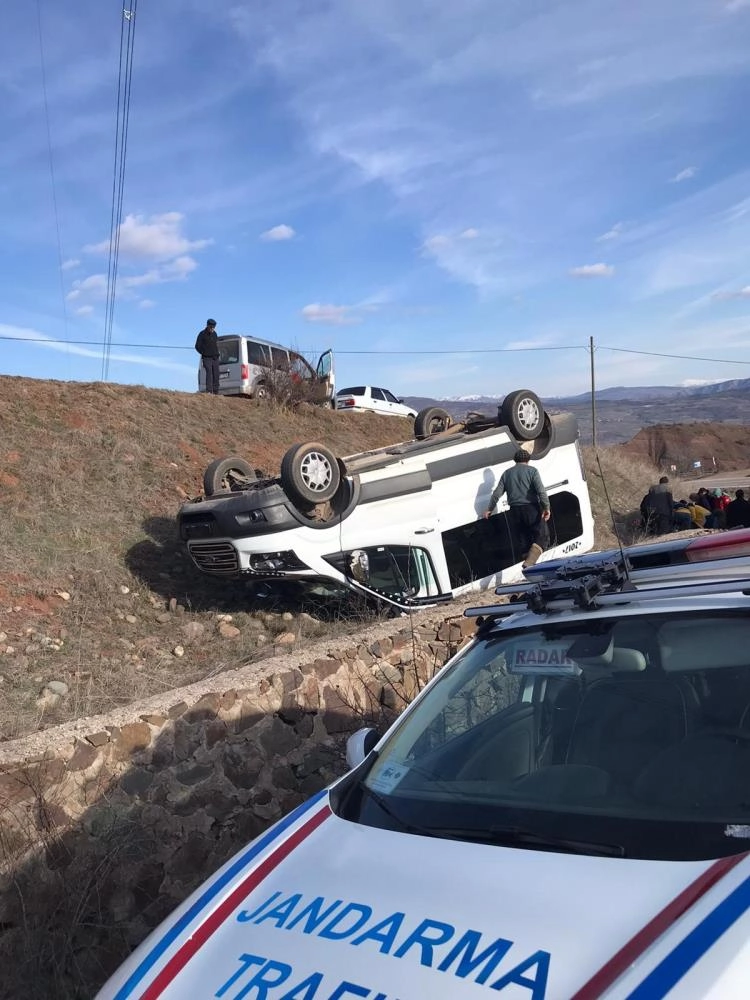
pixel 298 478
pixel 221 473
pixel 523 414
pixel 431 420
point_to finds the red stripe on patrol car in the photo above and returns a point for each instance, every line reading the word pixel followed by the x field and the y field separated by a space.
pixel 635 947
pixel 212 923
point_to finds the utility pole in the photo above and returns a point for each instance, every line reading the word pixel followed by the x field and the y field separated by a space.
pixel 593 394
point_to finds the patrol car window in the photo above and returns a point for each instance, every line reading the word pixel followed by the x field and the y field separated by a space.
pixel 389 396
pixel 377 393
pixel 357 390
pixel 623 735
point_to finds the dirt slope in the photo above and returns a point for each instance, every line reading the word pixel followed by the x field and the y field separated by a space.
pixel 96 590
pixel 716 446
pixel 91 477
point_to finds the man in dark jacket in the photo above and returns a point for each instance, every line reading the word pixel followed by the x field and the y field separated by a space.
pixel 738 511
pixel 207 345
pixel 657 507
pixel 529 506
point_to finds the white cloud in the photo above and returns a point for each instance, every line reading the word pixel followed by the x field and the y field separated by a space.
pixel 469 234
pixel 684 175
pixel 733 5
pixel 84 310
pixel 38 339
pixel 94 287
pixel 318 312
pixel 741 293
pixel 158 236
pixel 612 234
pixel 592 271
pixel 278 233
pixel 68 265
pixel 433 244
pixel 146 304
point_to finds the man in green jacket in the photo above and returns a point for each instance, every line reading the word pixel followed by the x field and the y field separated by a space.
pixel 529 506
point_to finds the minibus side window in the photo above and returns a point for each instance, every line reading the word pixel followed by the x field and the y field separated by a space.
pixel 256 354
pixel 280 359
pixel 479 549
pixel 566 521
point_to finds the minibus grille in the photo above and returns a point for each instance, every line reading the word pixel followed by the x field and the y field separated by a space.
pixel 215 557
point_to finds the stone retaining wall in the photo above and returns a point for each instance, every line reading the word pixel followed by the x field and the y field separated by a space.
pixel 107 824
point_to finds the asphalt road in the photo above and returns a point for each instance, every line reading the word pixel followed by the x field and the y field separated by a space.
pixel 729 481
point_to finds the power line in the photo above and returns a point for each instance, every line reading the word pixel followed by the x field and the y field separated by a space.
pixel 682 357
pixel 473 350
pixel 42 65
pixel 122 121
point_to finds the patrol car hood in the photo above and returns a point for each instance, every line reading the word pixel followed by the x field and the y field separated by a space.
pixel 325 909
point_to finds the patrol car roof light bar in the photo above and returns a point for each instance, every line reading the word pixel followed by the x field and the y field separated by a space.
pixel 549 595
pixel 588 594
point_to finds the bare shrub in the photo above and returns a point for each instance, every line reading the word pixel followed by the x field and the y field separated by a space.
pixel 289 384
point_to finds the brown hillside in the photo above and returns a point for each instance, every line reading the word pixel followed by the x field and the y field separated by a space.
pixel 715 446
pixel 97 591
pixel 91 477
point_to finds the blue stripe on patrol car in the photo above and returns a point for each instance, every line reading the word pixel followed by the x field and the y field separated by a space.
pixel 210 894
pixel 693 947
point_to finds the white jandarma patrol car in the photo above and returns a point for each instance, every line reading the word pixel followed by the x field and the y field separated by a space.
pixel 402 524
pixel 564 812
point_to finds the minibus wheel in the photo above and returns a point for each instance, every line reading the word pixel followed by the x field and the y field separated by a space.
pixel 227 474
pixel 431 420
pixel 310 473
pixel 522 412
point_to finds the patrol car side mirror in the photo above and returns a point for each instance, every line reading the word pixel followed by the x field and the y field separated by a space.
pixel 359 745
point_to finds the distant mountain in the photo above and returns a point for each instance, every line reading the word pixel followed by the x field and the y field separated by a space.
pixel 650 393
pixel 622 411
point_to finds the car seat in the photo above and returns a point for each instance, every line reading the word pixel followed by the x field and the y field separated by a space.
pixel 627 718
pixel 703 773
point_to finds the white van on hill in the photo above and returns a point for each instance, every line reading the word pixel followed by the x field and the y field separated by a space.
pixel 249 366
pixel 404 523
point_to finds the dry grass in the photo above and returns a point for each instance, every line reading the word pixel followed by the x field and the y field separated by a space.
pixel 91 477
pixel 617 482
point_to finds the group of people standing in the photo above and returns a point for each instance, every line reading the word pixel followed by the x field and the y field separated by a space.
pixel 661 513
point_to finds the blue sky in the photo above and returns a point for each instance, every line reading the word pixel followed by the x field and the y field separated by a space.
pixel 390 176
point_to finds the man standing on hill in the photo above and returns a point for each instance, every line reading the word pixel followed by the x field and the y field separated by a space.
pixel 529 506
pixel 207 345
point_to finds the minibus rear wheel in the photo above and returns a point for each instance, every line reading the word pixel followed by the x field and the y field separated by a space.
pixel 431 420
pixel 310 473
pixel 227 474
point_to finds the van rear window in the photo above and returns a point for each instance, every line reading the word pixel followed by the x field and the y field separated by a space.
pixel 229 350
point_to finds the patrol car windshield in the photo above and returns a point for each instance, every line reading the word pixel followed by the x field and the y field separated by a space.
pixel 628 737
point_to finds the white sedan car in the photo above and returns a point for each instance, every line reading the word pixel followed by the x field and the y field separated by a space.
pixel 368 397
